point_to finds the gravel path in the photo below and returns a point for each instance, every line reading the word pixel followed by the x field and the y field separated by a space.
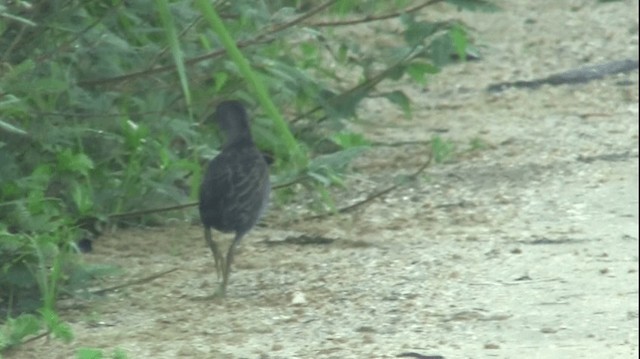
pixel 524 248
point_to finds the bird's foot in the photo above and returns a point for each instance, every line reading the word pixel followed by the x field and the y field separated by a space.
pixel 218 294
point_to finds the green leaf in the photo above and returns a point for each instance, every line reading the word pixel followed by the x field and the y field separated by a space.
pixel 74 162
pixel 57 327
pixel 4 126
pixel 459 40
pixel 172 38
pixel 119 354
pixel 349 139
pixel 343 7
pixel 441 49
pixel 320 178
pixel 135 134
pixel 290 148
pixel 396 72
pixel 343 52
pixel 19 328
pixel 417 32
pixel 400 99
pixel 418 70
pixel 336 161
pixel 310 53
pixel 342 105
pixel 442 150
pixel 89 353
pixel 15 72
pixel 474 5
pixel 219 80
pixel 82 198
pixel 16 18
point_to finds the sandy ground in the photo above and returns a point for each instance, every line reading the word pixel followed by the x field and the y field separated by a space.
pixel 524 248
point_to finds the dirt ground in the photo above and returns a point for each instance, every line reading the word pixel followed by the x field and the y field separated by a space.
pixel 526 247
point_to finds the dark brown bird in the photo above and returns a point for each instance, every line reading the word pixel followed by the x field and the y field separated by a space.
pixel 235 190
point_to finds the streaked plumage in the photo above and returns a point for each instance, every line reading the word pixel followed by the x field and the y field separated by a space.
pixel 235 190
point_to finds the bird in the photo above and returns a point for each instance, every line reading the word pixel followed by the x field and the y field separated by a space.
pixel 235 189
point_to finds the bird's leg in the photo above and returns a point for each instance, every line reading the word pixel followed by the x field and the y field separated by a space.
pixel 227 268
pixel 215 251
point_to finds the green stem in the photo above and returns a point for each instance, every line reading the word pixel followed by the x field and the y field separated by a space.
pixel 291 147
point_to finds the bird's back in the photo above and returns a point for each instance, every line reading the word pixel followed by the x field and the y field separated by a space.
pixel 235 189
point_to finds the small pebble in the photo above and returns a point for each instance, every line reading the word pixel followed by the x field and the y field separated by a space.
pixel 298 298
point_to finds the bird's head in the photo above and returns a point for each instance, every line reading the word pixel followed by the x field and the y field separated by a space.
pixel 232 119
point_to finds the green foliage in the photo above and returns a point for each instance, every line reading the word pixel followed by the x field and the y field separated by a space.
pixel 478 144
pixel 349 139
pixel 13 331
pixel 103 106
pixel 474 5
pixel 172 39
pixel 290 147
pixel 55 326
pixel 443 150
pixel 91 353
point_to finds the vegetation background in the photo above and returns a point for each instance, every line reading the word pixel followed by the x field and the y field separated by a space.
pixel 103 108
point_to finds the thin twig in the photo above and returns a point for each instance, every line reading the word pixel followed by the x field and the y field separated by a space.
pixel 162 52
pixel 400 143
pixel 374 18
pixel 366 85
pixel 300 19
pixel 262 38
pixel 99 115
pixel 134 282
pixel 519 282
pixel 373 196
pixel 190 204
pixel 151 211
pixel 279 186
pixel 36 337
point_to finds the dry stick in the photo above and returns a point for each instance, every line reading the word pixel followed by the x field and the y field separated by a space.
pixel 519 282
pixel 400 143
pixel 185 205
pixel 37 337
pixel 340 210
pixel 151 211
pixel 278 186
pixel 134 282
pixel 259 39
pixel 372 196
